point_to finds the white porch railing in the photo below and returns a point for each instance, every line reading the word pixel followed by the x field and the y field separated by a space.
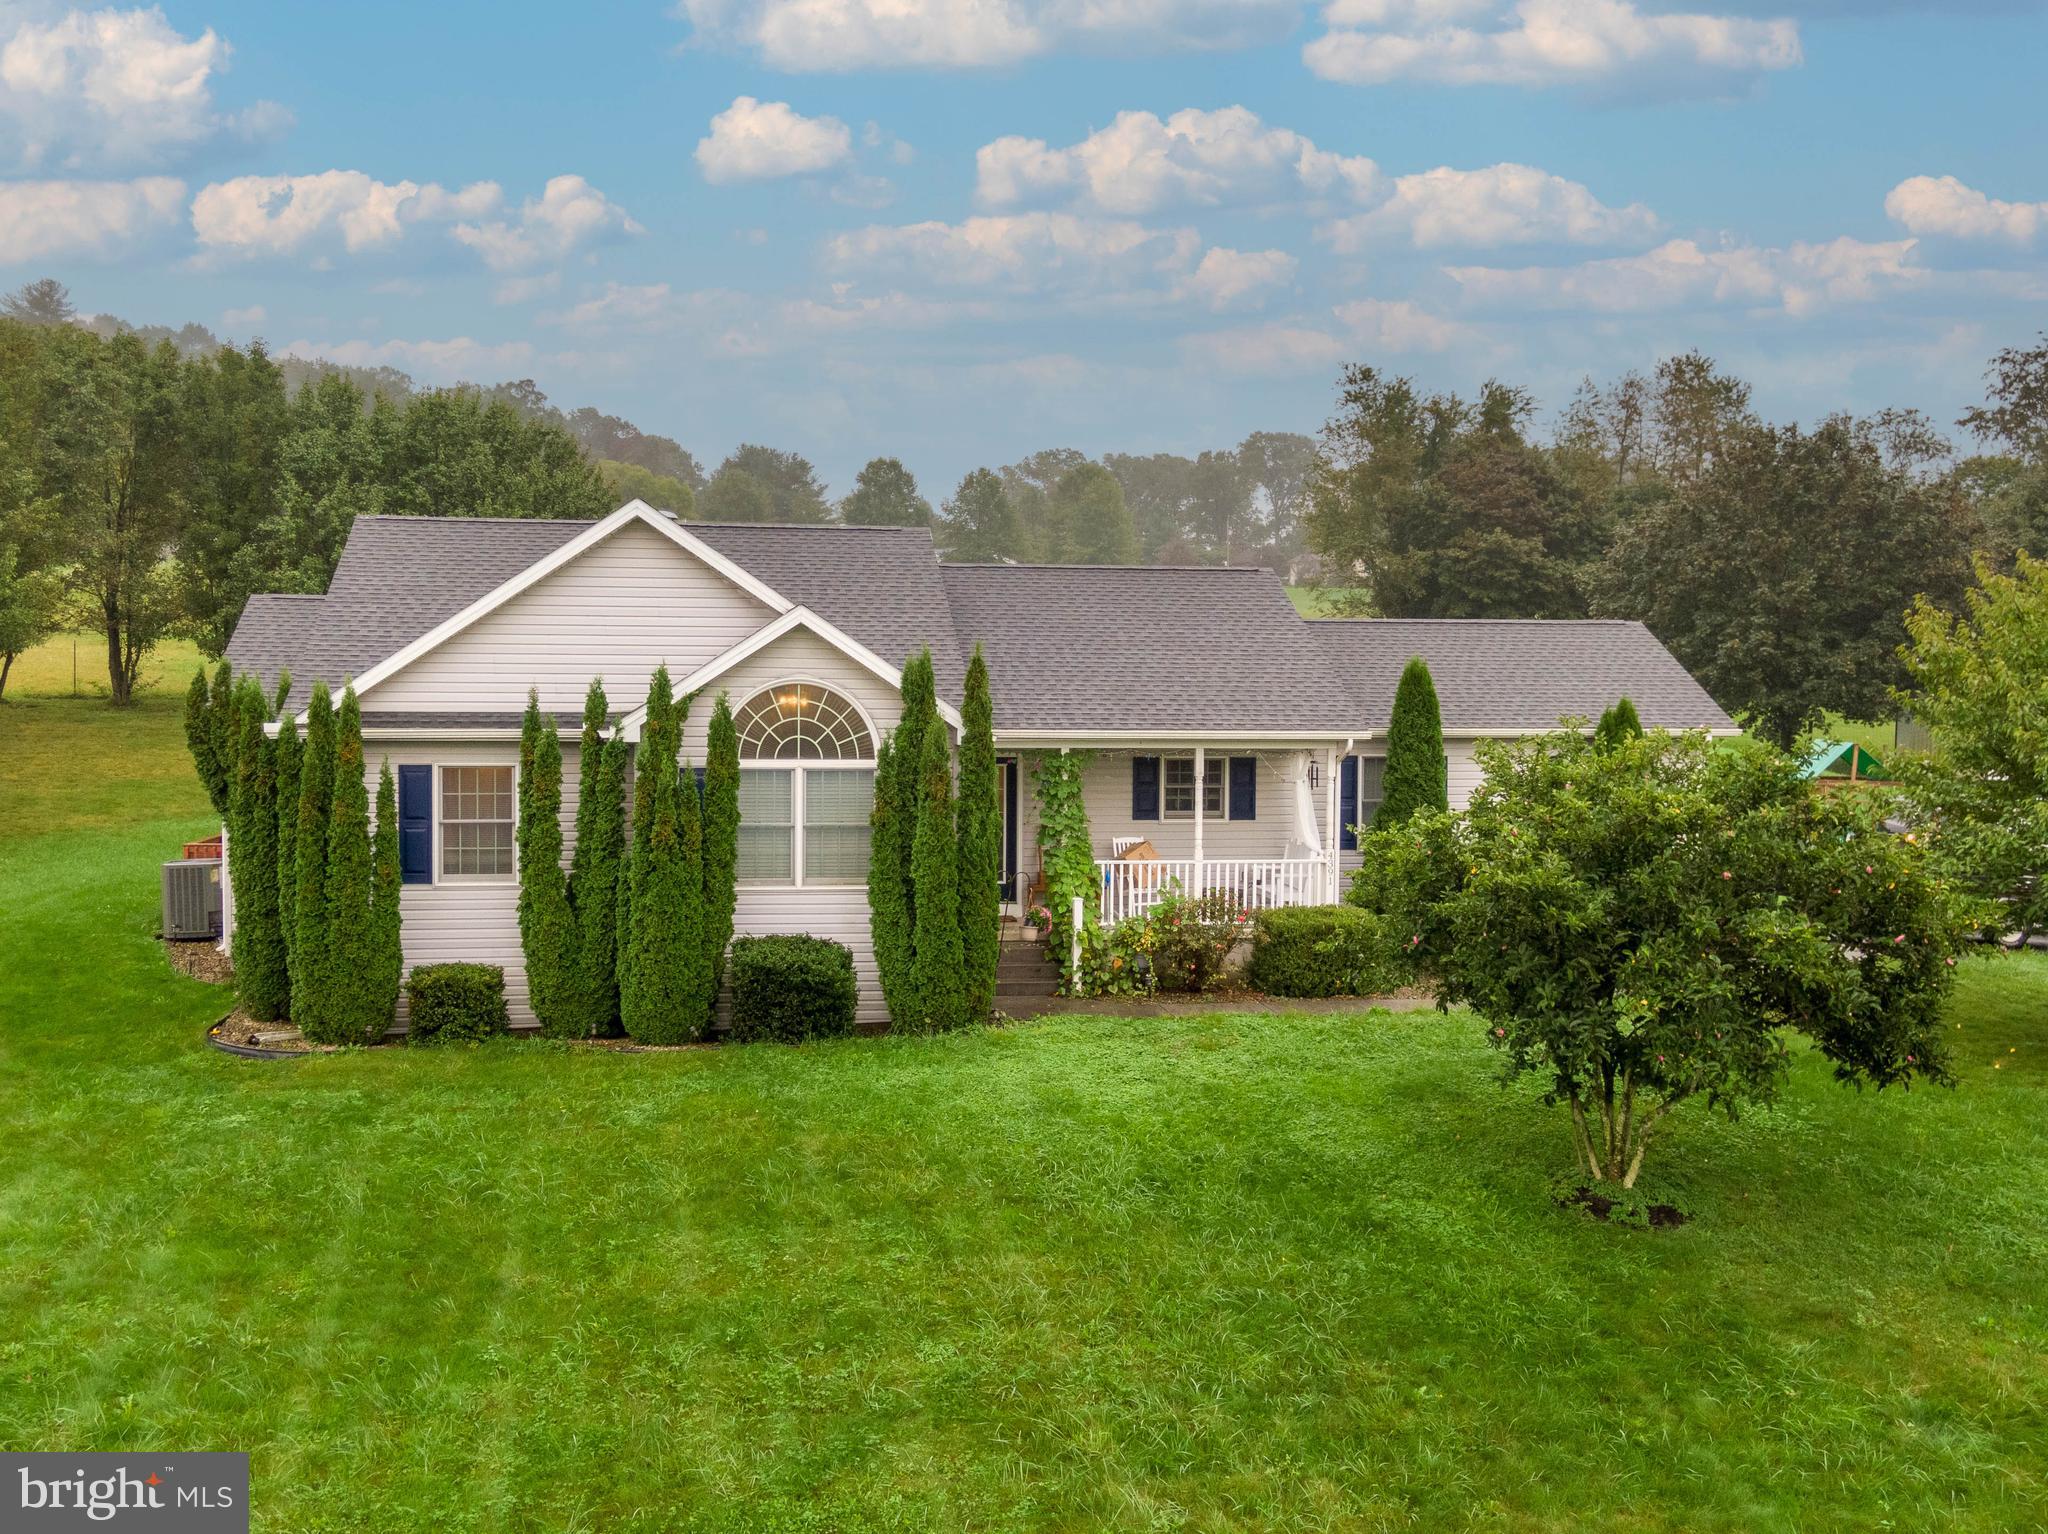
pixel 1133 888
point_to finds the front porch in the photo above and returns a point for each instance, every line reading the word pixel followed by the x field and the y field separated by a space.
pixel 1253 820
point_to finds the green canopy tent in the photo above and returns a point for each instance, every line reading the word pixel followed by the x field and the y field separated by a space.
pixel 1842 761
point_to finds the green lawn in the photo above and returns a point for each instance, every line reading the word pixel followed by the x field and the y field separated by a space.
pixel 1232 1273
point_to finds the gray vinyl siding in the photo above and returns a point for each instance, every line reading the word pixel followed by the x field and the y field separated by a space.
pixel 460 922
pixel 1461 781
pixel 1106 789
pixel 633 602
pixel 839 912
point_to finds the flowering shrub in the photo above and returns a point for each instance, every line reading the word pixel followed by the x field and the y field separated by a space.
pixel 1191 937
pixel 1117 961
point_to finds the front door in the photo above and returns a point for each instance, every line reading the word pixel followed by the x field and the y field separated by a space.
pixel 1006 799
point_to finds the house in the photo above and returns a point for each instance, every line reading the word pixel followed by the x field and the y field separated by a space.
pixel 1239 739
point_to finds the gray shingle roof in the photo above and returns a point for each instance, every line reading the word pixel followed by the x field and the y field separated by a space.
pixel 1070 647
pixel 1517 674
pixel 1077 647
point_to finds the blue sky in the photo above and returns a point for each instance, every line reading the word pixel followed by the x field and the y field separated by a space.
pixel 957 231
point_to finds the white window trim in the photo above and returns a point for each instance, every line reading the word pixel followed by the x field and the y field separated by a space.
pixel 805 679
pixel 1215 774
pixel 474 881
pixel 799 770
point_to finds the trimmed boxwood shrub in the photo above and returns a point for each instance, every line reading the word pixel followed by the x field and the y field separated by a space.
pixel 455 1002
pixel 1322 950
pixel 791 987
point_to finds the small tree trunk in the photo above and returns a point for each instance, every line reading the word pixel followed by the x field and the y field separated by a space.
pixel 6 665
pixel 119 681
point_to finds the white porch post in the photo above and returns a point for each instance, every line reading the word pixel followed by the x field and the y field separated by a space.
pixel 1332 835
pixel 1201 793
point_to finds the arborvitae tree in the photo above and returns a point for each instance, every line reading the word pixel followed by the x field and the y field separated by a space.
pixel 310 966
pixel 662 973
pixel 352 1011
pixel 1416 773
pixel 1617 725
pixel 721 837
pixel 893 908
pixel 199 739
pixel 601 829
pixel 647 773
pixel 288 762
pixel 261 981
pixel 699 1000
pixel 282 691
pixel 220 713
pixel 937 984
pixel 387 944
pixel 594 910
pixel 547 930
pixel 889 825
pixel 981 843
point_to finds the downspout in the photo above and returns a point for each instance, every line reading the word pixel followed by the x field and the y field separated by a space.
pixel 1336 832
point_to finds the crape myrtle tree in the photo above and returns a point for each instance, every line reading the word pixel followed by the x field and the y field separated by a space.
pixel 1980 686
pixel 310 960
pixel 547 928
pixel 1417 777
pixel 1640 924
pixel 938 981
pixel 981 842
pixel 261 974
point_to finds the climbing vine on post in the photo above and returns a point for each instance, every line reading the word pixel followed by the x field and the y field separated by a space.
pixel 1064 844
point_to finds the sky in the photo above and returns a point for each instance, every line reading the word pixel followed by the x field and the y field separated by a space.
pixel 959 231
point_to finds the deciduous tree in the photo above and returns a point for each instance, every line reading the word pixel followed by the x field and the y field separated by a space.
pixel 885 495
pixel 1639 925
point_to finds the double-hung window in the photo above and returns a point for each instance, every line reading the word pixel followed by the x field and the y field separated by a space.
pixel 478 823
pixel 1177 800
pixel 807 786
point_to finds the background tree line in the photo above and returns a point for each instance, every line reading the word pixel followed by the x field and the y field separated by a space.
pixel 1778 562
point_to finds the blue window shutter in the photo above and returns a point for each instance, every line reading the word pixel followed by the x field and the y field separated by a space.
pixel 416 824
pixel 1244 788
pixel 1347 804
pixel 1144 788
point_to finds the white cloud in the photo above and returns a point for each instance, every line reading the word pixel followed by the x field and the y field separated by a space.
pixel 289 215
pixel 524 290
pixel 238 319
pixel 283 215
pixel 1026 252
pixel 807 35
pixel 752 140
pixel 39 219
pixel 1501 205
pixel 569 214
pixel 1942 205
pixel 1226 279
pixel 1540 43
pixel 114 87
pixel 1679 274
pixel 1362 327
pixel 1140 164
pixel 459 357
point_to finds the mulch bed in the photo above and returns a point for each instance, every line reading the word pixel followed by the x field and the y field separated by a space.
pixel 1601 1207
pixel 244 1032
pixel 200 961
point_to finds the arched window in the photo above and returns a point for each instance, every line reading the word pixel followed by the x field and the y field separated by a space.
pixel 801 721
pixel 805 823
